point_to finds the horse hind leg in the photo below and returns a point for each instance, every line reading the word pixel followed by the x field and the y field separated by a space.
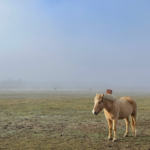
pixel 127 127
pixel 133 120
pixel 133 124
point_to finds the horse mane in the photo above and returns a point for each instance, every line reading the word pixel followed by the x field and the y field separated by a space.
pixel 109 97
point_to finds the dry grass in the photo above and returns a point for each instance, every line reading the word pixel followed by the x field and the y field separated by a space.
pixel 64 121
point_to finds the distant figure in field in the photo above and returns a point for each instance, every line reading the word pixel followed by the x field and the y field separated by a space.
pixel 109 91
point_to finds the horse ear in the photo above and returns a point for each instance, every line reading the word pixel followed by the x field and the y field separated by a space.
pixel 97 94
pixel 102 95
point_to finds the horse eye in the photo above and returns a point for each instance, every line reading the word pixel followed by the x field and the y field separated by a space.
pixel 99 102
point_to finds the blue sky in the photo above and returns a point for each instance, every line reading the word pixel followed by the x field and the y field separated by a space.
pixel 96 43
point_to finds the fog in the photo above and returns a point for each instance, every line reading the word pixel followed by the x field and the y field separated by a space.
pixel 74 44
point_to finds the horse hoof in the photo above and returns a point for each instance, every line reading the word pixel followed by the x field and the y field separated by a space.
pixel 126 135
pixel 114 140
pixel 109 139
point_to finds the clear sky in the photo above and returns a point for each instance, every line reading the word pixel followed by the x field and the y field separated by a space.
pixel 100 43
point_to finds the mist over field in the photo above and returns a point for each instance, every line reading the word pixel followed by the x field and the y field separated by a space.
pixel 55 55
pixel 74 44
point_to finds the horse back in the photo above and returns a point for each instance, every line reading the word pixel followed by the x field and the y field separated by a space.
pixel 129 99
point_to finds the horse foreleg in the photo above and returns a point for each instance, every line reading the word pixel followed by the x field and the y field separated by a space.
pixel 110 129
pixel 127 126
pixel 114 128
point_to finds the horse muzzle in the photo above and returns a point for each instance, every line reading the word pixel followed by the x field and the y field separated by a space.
pixel 95 113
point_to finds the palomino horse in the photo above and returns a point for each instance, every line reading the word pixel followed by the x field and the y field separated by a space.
pixel 115 109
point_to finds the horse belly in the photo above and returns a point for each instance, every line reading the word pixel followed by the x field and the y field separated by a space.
pixel 126 110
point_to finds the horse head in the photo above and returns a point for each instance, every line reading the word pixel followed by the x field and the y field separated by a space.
pixel 98 103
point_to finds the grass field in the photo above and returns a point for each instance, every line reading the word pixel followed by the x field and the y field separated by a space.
pixel 64 120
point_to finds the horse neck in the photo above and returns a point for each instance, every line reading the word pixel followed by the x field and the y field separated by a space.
pixel 108 104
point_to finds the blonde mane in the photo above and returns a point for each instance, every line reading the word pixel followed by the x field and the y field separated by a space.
pixel 109 97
